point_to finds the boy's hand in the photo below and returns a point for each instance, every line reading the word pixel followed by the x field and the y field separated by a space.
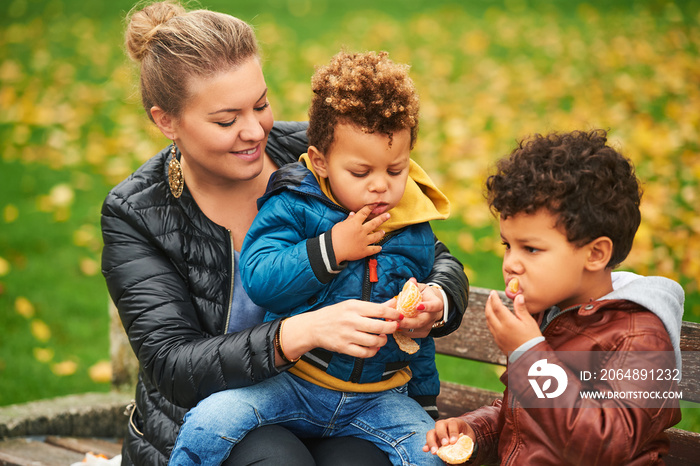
pixel 510 329
pixel 354 237
pixel 446 432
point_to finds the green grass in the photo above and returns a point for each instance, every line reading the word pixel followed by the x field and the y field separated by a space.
pixel 488 72
pixel 40 244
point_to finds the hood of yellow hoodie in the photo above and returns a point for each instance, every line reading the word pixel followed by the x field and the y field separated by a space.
pixel 422 201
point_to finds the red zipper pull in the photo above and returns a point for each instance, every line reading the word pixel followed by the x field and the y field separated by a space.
pixel 373 271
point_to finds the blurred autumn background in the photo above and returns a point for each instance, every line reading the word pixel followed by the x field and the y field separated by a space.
pixel 488 73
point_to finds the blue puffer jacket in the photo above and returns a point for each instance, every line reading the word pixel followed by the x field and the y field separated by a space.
pixel 283 271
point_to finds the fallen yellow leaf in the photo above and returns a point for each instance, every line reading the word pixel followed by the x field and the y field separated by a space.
pixel 24 307
pixel 89 266
pixel 61 195
pixel 40 330
pixel 43 354
pixel 84 236
pixel 101 372
pixel 64 368
pixel 4 267
pixel 10 213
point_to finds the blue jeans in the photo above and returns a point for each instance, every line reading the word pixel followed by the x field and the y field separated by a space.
pixel 391 420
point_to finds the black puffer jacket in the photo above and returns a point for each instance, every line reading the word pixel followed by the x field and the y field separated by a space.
pixel 168 270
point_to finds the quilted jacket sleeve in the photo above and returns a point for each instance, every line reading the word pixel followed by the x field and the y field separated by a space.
pixel 448 272
pixel 275 265
pixel 183 361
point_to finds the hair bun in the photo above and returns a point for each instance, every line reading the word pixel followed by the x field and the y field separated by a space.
pixel 145 23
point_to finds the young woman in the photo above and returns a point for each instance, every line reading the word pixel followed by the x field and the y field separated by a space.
pixel 173 229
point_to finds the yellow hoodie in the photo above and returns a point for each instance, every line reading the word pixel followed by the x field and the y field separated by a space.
pixel 422 201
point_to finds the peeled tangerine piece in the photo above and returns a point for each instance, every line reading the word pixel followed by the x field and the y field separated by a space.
pixel 407 301
pixel 513 285
pixel 457 453
pixel 406 344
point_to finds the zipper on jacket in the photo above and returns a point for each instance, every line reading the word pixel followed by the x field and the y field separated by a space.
pixel 230 293
pixel 371 276
pixel 370 269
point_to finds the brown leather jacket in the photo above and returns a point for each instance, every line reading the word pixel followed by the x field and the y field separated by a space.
pixel 594 432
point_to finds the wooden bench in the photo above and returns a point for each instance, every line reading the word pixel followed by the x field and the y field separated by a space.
pixel 473 341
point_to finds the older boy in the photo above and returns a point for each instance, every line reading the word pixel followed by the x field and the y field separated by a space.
pixel 569 210
pixel 317 241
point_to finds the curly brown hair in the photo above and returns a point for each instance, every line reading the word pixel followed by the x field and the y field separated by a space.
pixel 590 187
pixel 367 90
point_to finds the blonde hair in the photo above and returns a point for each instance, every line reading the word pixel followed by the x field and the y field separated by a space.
pixel 366 90
pixel 173 45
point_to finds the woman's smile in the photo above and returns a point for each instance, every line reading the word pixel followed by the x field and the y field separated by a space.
pixel 248 155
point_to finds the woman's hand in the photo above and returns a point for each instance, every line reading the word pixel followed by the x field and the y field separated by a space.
pixel 447 432
pixel 356 328
pixel 430 309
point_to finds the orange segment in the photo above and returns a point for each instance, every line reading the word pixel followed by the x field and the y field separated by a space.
pixel 513 285
pixel 408 299
pixel 406 343
pixel 457 453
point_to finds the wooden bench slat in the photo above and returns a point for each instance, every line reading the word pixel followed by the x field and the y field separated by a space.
pixel 684 447
pixel 473 339
pixel 691 374
pixel 28 452
pixel 86 445
pixel 690 336
pixel 456 399
pixel 690 346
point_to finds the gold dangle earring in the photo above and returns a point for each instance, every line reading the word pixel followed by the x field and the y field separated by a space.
pixel 176 178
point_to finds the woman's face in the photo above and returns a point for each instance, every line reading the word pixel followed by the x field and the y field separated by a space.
pixel 222 132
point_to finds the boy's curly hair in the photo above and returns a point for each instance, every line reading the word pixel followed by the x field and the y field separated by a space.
pixel 367 90
pixel 590 187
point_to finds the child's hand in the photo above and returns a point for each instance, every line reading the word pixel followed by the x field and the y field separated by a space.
pixel 354 237
pixel 510 329
pixel 447 432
